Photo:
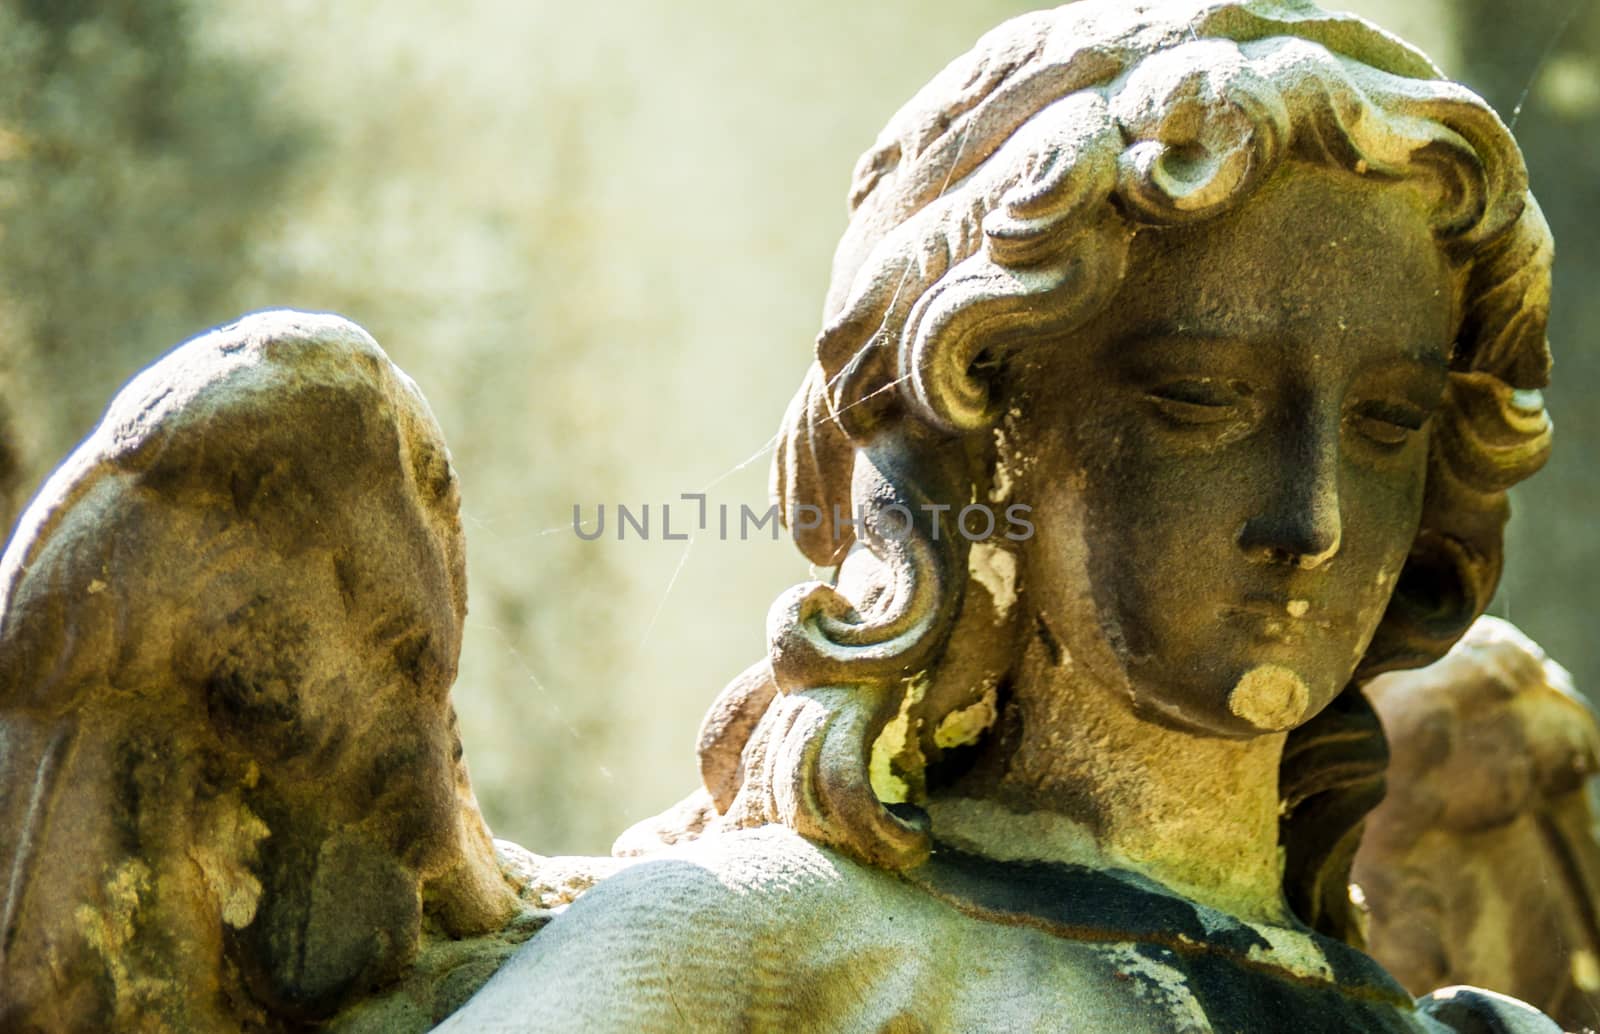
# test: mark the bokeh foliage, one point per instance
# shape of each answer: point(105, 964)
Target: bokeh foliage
point(134, 173)
point(597, 236)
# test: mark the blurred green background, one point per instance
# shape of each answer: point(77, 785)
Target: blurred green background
point(598, 237)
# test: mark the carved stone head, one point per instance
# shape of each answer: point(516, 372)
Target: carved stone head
point(1243, 301)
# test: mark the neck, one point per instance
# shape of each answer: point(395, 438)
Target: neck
point(1071, 774)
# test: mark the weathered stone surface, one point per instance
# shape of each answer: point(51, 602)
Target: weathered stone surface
point(229, 766)
point(1246, 305)
point(1481, 866)
point(1235, 310)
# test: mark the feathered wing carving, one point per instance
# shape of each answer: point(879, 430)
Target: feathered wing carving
point(229, 772)
point(1481, 866)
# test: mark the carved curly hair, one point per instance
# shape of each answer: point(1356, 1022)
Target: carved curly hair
point(994, 214)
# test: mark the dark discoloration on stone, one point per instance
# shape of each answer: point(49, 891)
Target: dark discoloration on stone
point(1226, 964)
point(1052, 645)
point(248, 585)
point(1241, 299)
point(1247, 304)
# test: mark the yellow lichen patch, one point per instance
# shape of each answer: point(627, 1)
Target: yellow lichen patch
point(109, 929)
point(996, 570)
point(896, 752)
point(963, 727)
point(1270, 697)
point(224, 853)
point(1000, 485)
point(1586, 971)
point(1293, 951)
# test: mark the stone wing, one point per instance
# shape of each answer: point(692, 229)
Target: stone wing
point(1481, 866)
point(229, 624)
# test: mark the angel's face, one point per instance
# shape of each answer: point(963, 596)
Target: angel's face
point(1227, 465)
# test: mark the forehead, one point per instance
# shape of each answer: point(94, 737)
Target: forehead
point(1316, 256)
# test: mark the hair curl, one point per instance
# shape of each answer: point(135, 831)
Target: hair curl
point(995, 212)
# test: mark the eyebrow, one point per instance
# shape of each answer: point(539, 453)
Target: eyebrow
point(1163, 335)
point(1435, 359)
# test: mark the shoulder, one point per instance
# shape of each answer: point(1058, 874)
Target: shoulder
point(1471, 1010)
point(685, 939)
point(754, 882)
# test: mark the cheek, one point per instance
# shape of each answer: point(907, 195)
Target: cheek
point(1163, 526)
point(1381, 510)
point(1058, 564)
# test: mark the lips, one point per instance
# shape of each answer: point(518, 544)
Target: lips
point(1280, 615)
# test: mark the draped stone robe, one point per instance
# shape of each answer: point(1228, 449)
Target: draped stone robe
point(762, 930)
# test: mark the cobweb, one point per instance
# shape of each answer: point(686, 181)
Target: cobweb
point(1502, 604)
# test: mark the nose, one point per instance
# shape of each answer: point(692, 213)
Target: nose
point(1297, 522)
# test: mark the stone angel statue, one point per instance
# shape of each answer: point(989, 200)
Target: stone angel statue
point(1242, 300)
point(1481, 865)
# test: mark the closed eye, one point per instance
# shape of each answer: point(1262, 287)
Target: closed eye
point(1387, 422)
point(1198, 400)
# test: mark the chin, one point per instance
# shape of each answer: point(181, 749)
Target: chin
point(1256, 697)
